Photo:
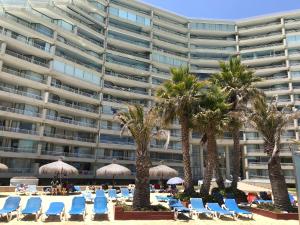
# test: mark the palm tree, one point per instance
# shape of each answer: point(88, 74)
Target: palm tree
point(177, 98)
point(270, 121)
point(140, 125)
point(237, 80)
point(211, 119)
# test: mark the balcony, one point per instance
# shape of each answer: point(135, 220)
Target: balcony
point(68, 154)
point(74, 106)
point(116, 142)
point(26, 58)
point(23, 75)
point(18, 92)
point(76, 91)
point(124, 102)
point(18, 130)
point(18, 150)
point(135, 66)
point(25, 41)
point(127, 77)
point(20, 111)
point(73, 137)
point(73, 122)
point(132, 90)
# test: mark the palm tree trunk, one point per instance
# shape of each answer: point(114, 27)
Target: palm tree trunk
point(236, 158)
point(217, 168)
point(141, 198)
point(278, 184)
point(185, 133)
point(208, 173)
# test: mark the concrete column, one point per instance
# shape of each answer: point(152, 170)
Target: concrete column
point(39, 148)
point(246, 174)
point(227, 159)
point(3, 48)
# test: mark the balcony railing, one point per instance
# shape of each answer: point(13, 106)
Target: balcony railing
point(26, 58)
point(262, 46)
point(75, 138)
point(140, 79)
point(116, 142)
point(135, 66)
point(68, 154)
point(61, 86)
point(72, 105)
point(125, 89)
point(20, 111)
point(23, 74)
point(17, 37)
point(260, 36)
point(262, 57)
point(18, 92)
point(79, 123)
point(258, 26)
point(18, 130)
point(18, 150)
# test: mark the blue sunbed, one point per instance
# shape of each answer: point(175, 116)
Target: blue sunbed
point(12, 204)
point(161, 198)
point(292, 199)
point(125, 193)
point(197, 207)
point(56, 209)
point(177, 207)
point(219, 211)
point(112, 194)
point(33, 207)
point(100, 206)
point(78, 207)
point(231, 205)
point(100, 193)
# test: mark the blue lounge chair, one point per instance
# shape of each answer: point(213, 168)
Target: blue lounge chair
point(31, 190)
point(219, 211)
point(100, 206)
point(231, 205)
point(198, 208)
point(125, 193)
point(292, 199)
point(11, 205)
point(112, 194)
point(100, 193)
point(161, 198)
point(33, 207)
point(56, 209)
point(177, 207)
point(78, 207)
point(76, 189)
point(88, 196)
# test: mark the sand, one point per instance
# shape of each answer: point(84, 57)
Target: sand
point(258, 220)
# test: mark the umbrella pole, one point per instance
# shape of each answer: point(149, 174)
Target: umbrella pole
point(113, 181)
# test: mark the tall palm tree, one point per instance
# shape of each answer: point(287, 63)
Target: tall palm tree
point(211, 119)
point(270, 121)
point(237, 80)
point(177, 98)
point(141, 125)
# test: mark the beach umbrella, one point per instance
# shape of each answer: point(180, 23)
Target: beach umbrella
point(113, 170)
point(3, 167)
point(175, 180)
point(58, 168)
point(162, 171)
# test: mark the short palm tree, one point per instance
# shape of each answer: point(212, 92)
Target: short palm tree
point(270, 121)
point(211, 118)
point(141, 125)
point(237, 80)
point(177, 98)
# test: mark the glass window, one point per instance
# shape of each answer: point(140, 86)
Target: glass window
point(114, 11)
point(132, 17)
point(123, 14)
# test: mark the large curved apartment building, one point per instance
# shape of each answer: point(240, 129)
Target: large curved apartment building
point(66, 66)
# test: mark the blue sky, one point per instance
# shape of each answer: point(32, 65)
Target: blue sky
point(225, 9)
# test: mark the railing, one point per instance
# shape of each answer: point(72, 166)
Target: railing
point(141, 79)
point(14, 36)
point(171, 42)
point(125, 89)
point(276, 89)
point(159, 28)
point(68, 154)
point(76, 138)
point(162, 147)
point(128, 41)
point(98, 43)
point(20, 111)
point(127, 64)
point(28, 59)
point(260, 25)
point(18, 150)
point(136, 54)
point(260, 36)
point(268, 67)
point(169, 52)
point(72, 105)
point(71, 121)
point(18, 130)
point(116, 142)
point(274, 77)
point(128, 158)
point(22, 74)
point(21, 170)
point(77, 61)
point(263, 56)
point(262, 46)
point(130, 30)
point(18, 92)
point(61, 86)
point(123, 101)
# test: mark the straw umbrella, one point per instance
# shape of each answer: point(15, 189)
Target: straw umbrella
point(113, 170)
point(3, 167)
point(162, 171)
point(58, 168)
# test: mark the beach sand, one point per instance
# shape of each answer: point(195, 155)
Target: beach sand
point(258, 220)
